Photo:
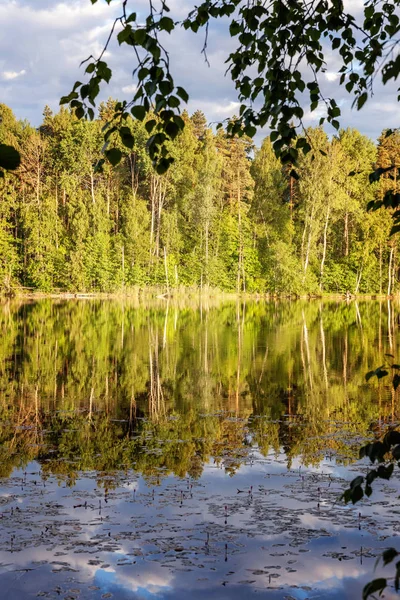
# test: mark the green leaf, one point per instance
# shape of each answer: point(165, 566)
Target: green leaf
point(9, 158)
point(396, 381)
point(376, 451)
point(166, 24)
point(138, 112)
point(369, 375)
point(163, 165)
point(389, 555)
point(397, 577)
point(395, 229)
point(235, 28)
point(150, 125)
point(356, 482)
point(182, 94)
point(110, 131)
point(357, 494)
point(131, 18)
point(371, 476)
point(361, 100)
point(381, 373)
point(126, 137)
point(385, 472)
point(104, 71)
point(165, 87)
point(142, 73)
point(173, 102)
point(392, 438)
point(179, 122)
point(377, 585)
point(114, 156)
point(79, 112)
point(250, 130)
point(140, 36)
point(172, 130)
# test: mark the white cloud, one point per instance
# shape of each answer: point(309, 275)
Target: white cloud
point(315, 115)
point(129, 89)
point(331, 76)
point(218, 110)
point(8, 75)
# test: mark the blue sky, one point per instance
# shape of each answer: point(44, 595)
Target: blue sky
point(43, 42)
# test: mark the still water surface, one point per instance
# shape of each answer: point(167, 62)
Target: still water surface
point(152, 452)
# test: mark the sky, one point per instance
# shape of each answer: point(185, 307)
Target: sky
point(43, 42)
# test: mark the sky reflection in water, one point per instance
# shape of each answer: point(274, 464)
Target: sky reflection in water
point(272, 540)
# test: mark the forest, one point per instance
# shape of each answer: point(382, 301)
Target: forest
point(226, 216)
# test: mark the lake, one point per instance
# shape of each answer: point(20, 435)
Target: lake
point(154, 451)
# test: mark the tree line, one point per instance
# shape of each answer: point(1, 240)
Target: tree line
point(226, 215)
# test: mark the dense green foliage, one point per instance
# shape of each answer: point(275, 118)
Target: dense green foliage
point(225, 215)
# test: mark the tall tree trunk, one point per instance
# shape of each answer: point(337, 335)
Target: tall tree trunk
point(166, 269)
point(38, 182)
point(358, 280)
point(123, 264)
point(322, 331)
point(206, 234)
point(346, 234)
point(56, 215)
point(307, 256)
point(134, 176)
point(389, 314)
point(394, 269)
point(153, 192)
point(291, 197)
point(158, 230)
point(324, 247)
point(305, 249)
point(390, 271)
point(92, 187)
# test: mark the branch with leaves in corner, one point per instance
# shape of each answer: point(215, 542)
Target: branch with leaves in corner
point(384, 452)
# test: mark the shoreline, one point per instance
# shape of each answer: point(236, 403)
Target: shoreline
point(155, 293)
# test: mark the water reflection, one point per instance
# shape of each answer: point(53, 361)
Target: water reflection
point(148, 450)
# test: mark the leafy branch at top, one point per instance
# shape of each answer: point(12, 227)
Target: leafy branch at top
point(155, 90)
point(276, 67)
